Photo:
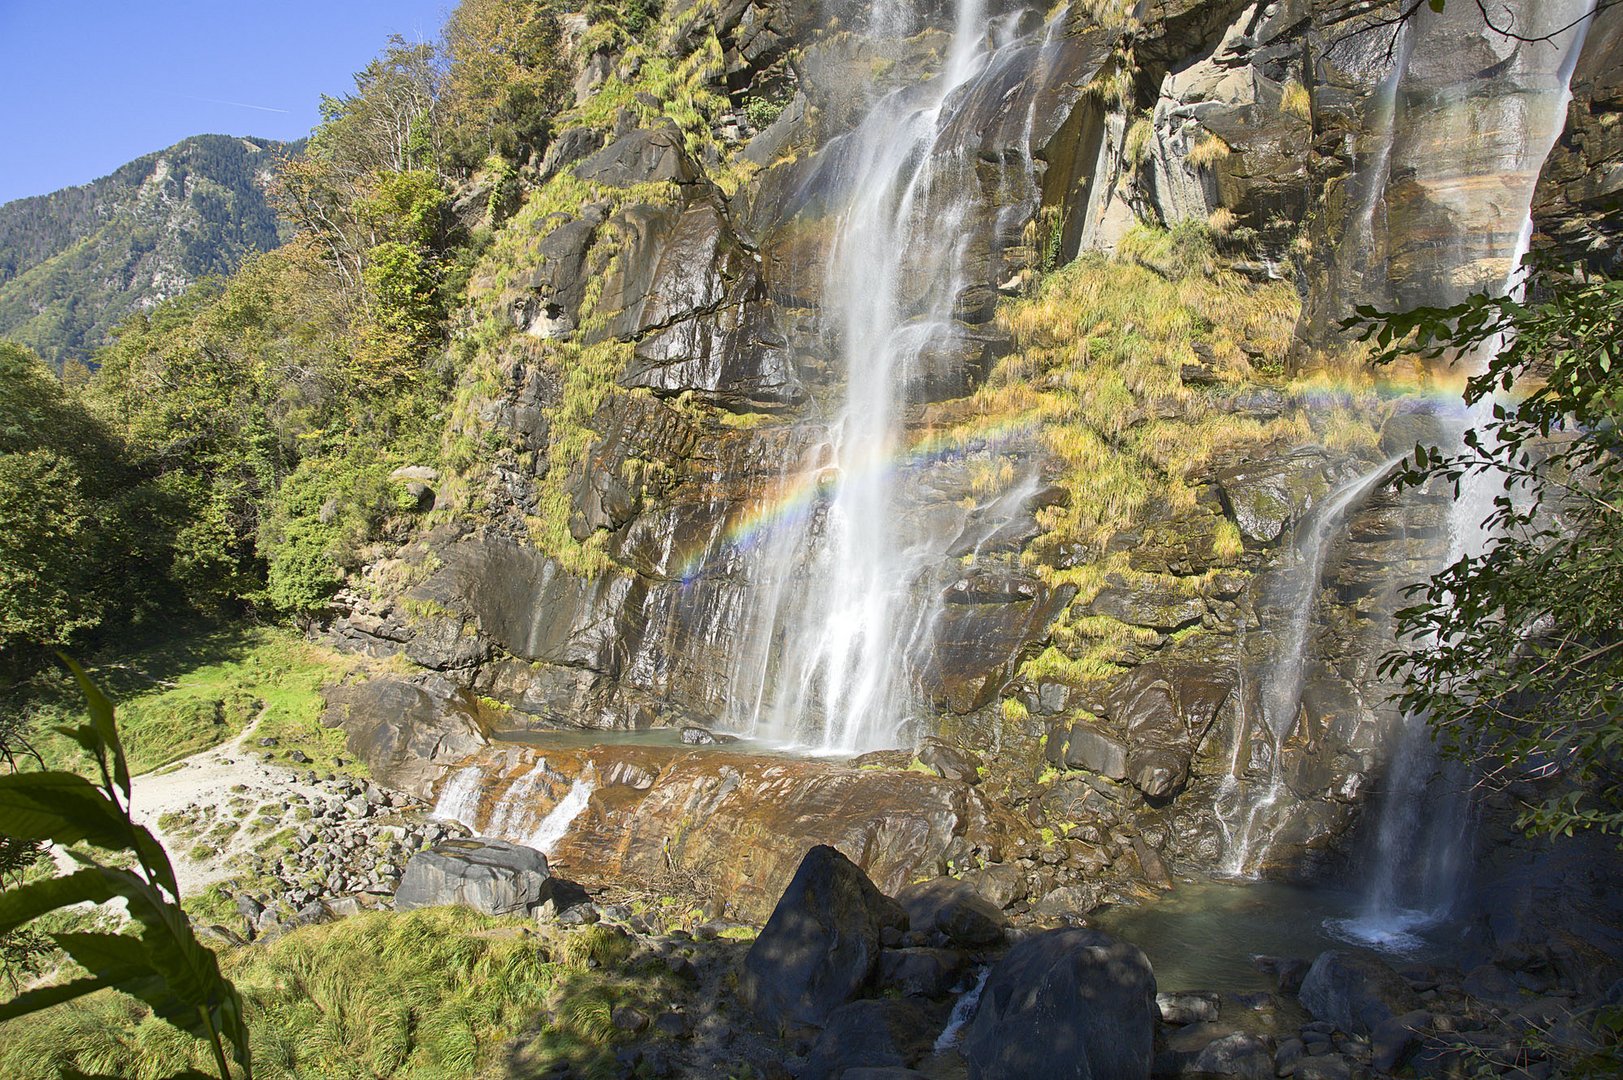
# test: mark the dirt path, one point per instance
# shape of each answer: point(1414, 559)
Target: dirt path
point(227, 784)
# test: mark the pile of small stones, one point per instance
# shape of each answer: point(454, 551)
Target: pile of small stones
point(346, 853)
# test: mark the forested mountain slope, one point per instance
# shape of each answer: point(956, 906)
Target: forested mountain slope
point(77, 262)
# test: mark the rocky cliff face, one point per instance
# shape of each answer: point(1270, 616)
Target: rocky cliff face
point(1107, 515)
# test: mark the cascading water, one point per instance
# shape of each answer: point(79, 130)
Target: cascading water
point(1422, 838)
point(844, 621)
point(1252, 815)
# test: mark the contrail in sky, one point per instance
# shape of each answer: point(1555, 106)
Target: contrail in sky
point(238, 104)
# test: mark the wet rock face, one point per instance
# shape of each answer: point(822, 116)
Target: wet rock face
point(739, 825)
point(821, 945)
point(1067, 1003)
point(1578, 207)
point(1166, 710)
point(406, 732)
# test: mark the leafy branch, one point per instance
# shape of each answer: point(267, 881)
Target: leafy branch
point(163, 964)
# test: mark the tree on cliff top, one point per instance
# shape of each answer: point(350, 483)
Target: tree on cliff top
point(1516, 654)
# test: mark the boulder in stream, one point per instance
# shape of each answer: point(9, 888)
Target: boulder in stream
point(1356, 992)
point(821, 945)
point(955, 909)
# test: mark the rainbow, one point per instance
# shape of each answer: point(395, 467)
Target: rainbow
point(797, 496)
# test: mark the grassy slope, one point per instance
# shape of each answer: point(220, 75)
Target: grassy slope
point(184, 695)
point(437, 993)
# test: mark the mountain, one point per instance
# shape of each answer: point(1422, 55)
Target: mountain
point(76, 262)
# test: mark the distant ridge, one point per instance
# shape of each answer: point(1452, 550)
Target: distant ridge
point(76, 262)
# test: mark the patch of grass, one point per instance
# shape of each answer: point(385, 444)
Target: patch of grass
point(195, 691)
point(439, 993)
point(1296, 101)
point(1209, 152)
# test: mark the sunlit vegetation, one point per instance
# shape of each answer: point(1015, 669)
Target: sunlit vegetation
point(1102, 346)
point(190, 692)
point(442, 992)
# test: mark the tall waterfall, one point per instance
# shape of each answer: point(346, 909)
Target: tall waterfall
point(843, 624)
point(1422, 841)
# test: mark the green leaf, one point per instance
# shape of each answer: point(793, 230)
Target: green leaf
point(32, 1001)
point(101, 717)
point(62, 808)
point(94, 886)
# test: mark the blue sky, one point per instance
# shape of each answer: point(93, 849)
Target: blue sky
point(86, 85)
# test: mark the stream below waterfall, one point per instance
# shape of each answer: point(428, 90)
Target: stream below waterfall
point(1208, 933)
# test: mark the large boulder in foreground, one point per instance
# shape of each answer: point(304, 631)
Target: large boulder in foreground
point(1356, 992)
point(488, 875)
point(1065, 1005)
point(821, 945)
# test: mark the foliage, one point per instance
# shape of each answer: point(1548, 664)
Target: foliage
point(441, 993)
point(80, 535)
point(76, 262)
point(163, 964)
point(505, 81)
point(1514, 653)
point(193, 691)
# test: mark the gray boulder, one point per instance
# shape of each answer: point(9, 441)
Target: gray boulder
point(954, 909)
point(1356, 992)
point(821, 945)
point(492, 876)
point(1245, 1057)
point(871, 1034)
point(1065, 1005)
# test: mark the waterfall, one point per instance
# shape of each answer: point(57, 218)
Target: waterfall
point(843, 624)
point(1250, 819)
point(460, 797)
point(556, 824)
point(1423, 836)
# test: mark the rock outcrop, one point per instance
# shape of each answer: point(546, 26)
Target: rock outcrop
point(492, 876)
point(821, 945)
point(1068, 1003)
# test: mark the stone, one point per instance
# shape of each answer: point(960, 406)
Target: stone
point(923, 972)
point(1242, 1056)
point(1166, 708)
point(643, 156)
point(1264, 496)
point(1356, 992)
point(628, 1019)
point(949, 762)
point(492, 876)
point(1068, 1005)
point(954, 909)
point(821, 945)
point(1392, 1040)
point(692, 735)
point(1068, 901)
point(1000, 883)
point(1188, 1007)
point(871, 1034)
point(1091, 748)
